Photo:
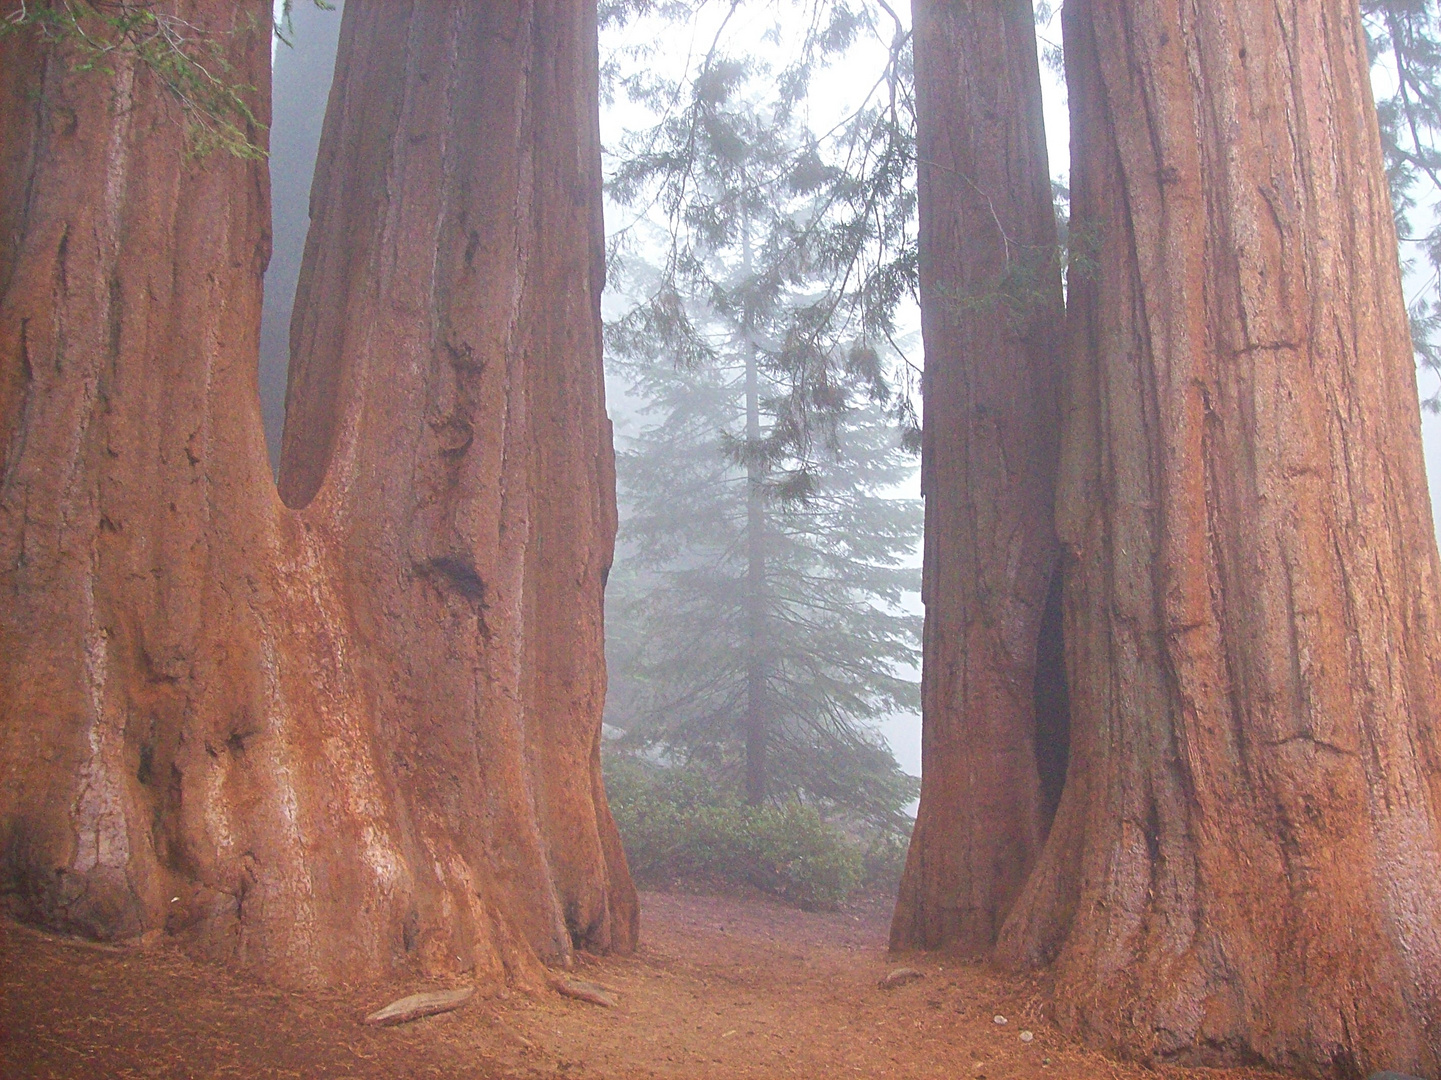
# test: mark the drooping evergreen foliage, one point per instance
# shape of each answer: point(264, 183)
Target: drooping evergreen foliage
point(754, 619)
point(189, 60)
point(839, 194)
point(185, 57)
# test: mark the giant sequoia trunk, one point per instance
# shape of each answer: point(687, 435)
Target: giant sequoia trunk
point(1246, 860)
point(361, 736)
point(991, 317)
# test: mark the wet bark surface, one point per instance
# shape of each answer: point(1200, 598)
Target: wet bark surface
point(992, 322)
point(1246, 861)
point(355, 738)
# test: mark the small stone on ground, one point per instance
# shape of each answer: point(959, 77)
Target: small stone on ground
point(899, 977)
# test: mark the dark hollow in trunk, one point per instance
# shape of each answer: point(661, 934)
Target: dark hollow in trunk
point(1053, 703)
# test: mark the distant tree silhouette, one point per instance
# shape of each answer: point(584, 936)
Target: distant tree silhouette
point(754, 615)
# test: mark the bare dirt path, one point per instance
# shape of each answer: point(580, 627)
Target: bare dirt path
point(720, 988)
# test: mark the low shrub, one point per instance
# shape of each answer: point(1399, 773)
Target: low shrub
point(883, 860)
point(675, 825)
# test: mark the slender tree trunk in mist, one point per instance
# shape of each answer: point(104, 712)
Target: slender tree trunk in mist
point(992, 320)
point(359, 738)
point(756, 734)
point(755, 721)
point(1246, 861)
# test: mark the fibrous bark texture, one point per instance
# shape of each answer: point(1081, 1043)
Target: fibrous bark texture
point(360, 737)
point(992, 323)
point(1246, 861)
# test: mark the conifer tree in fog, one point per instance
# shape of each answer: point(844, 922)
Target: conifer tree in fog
point(754, 612)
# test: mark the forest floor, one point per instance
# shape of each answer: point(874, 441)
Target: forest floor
point(721, 987)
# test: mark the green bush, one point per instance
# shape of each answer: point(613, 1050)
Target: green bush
point(883, 861)
point(676, 825)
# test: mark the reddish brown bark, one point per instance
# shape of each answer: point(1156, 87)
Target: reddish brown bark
point(1246, 861)
point(447, 402)
point(991, 318)
point(356, 738)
